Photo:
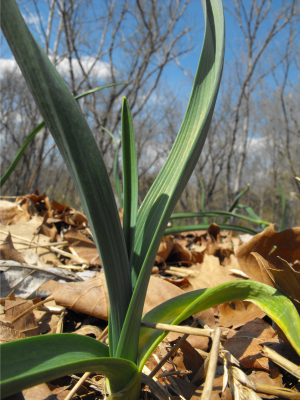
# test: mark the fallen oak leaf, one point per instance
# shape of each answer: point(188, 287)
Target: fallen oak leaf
point(269, 244)
point(281, 275)
point(91, 296)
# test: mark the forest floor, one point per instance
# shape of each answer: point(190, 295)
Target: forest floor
point(47, 252)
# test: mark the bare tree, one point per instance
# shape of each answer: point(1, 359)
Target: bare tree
point(92, 43)
point(259, 23)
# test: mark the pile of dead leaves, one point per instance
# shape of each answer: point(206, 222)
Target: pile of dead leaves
point(47, 251)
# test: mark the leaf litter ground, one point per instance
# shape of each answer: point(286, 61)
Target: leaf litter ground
point(47, 252)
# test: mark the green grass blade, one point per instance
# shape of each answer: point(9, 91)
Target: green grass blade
point(20, 152)
point(81, 155)
point(130, 179)
point(202, 200)
point(236, 201)
point(36, 130)
point(200, 227)
point(249, 210)
point(116, 168)
point(218, 214)
point(29, 362)
point(283, 219)
point(252, 214)
point(237, 198)
point(161, 199)
point(277, 306)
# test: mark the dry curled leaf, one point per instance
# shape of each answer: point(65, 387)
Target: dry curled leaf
point(281, 275)
point(270, 245)
point(14, 212)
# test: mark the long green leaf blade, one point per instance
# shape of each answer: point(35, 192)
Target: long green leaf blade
point(130, 179)
point(218, 214)
point(81, 155)
point(229, 227)
point(160, 201)
point(36, 130)
point(29, 362)
point(277, 306)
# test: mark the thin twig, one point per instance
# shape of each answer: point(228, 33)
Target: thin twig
point(52, 248)
point(282, 361)
point(60, 324)
point(77, 386)
point(37, 245)
point(102, 335)
point(50, 298)
point(179, 329)
point(211, 372)
point(173, 373)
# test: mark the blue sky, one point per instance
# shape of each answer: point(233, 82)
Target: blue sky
point(173, 75)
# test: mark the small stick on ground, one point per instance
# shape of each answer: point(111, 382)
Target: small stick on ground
point(179, 329)
point(214, 354)
point(32, 308)
point(281, 361)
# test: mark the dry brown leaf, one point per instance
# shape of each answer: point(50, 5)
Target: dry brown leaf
point(180, 253)
point(281, 275)
point(214, 232)
point(245, 345)
point(50, 231)
point(197, 342)
point(186, 388)
point(47, 321)
point(263, 378)
point(27, 233)
point(158, 292)
point(27, 324)
point(220, 250)
point(13, 213)
point(91, 297)
point(216, 393)
point(269, 244)
point(39, 392)
point(8, 251)
point(238, 313)
point(188, 360)
point(8, 334)
point(83, 246)
point(211, 274)
point(165, 247)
